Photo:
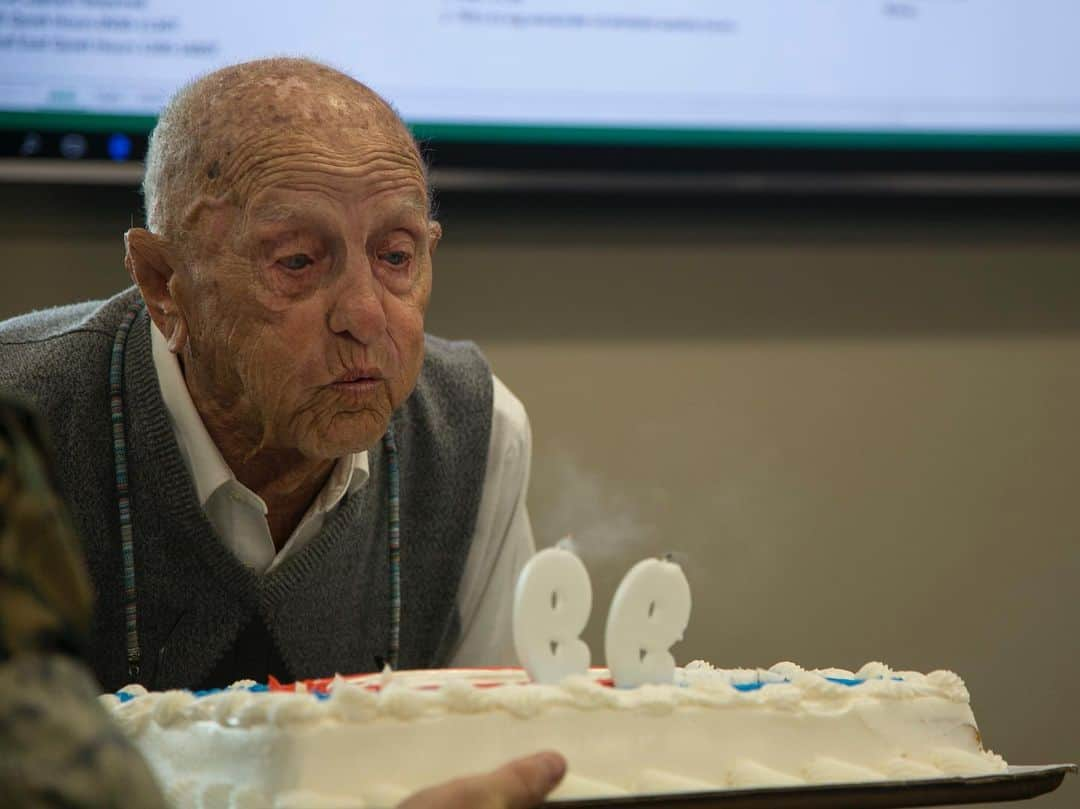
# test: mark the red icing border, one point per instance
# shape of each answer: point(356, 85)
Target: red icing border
point(321, 685)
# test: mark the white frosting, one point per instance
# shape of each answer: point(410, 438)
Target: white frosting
point(953, 761)
point(903, 769)
point(828, 770)
point(949, 683)
point(384, 794)
point(377, 738)
point(171, 707)
point(872, 671)
point(660, 781)
point(578, 787)
point(310, 799)
point(746, 773)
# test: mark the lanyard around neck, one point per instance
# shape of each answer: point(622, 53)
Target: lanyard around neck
point(123, 498)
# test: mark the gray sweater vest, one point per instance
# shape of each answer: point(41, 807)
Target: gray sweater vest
point(327, 608)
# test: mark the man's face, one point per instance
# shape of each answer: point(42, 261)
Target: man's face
point(306, 301)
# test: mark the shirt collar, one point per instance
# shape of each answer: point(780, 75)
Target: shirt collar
point(204, 461)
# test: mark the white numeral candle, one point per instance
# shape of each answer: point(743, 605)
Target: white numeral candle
point(551, 605)
point(648, 614)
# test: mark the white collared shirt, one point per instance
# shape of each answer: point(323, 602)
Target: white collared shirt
point(502, 542)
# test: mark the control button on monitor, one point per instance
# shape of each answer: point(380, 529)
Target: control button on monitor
point(32, 144)
point(119, 146)
point(73, 146)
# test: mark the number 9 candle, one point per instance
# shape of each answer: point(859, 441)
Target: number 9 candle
point(552, 602)
point(648, 614)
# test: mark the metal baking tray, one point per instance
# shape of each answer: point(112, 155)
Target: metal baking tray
point(1016, 784)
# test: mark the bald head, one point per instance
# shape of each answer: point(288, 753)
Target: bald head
point(217, 130)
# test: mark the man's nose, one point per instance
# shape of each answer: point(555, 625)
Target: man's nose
point(356, 308)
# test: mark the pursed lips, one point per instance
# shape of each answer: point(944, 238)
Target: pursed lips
point(358, 383)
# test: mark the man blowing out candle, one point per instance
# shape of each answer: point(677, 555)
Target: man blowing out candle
point(273, 469)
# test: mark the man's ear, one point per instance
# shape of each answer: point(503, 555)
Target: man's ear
point(434, 235)
point(151, 265)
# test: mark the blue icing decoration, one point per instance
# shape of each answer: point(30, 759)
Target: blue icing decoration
point(756, 685)
point(747, 686)
point(257, 688)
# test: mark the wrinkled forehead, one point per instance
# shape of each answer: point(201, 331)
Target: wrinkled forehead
point(286, 134)
point(352, 166)
point(329, 205)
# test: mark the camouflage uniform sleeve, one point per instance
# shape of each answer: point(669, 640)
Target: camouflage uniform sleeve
point(58, 747)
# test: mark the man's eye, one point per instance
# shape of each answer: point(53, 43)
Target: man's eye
point(396, 258)
point(296, 262)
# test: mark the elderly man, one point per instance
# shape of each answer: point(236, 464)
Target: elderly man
point(274, 470)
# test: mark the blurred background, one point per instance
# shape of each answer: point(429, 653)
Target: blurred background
point(791, 290)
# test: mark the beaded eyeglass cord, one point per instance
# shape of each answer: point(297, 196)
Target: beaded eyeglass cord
point(131, 611)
